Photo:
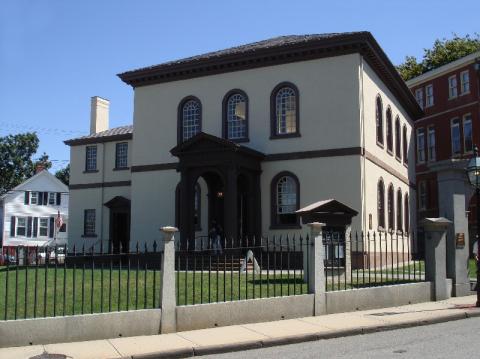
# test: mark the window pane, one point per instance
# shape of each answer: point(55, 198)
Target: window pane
point(236, 117)
point(33, 197)
point(379, 119)
point(89, 225)
point(91, 158)
point(21, 224)
point(286, 111)
point(467, 133)
point(456, 145)
point(431, 144)
point(190, 119)
point(420, 145)
point(121, 155)
point(43, 227)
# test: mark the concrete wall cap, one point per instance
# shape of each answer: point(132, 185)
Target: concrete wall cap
point(169, 229)
point(316, 225)
point(440, 223)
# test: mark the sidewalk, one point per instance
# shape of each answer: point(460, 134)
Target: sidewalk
point(249, 336)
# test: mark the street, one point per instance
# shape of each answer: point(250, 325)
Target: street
point(456, 339)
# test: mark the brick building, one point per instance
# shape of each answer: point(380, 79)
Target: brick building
point(449, 96)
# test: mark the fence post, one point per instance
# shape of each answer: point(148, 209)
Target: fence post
point(167, 285)
point(436, 255)
point(316, 270)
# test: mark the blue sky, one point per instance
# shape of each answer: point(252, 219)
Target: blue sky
point(56, 54)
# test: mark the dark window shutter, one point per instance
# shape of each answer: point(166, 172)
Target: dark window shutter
point(12, 226)
point(51, 227)
point(45, 198)
point(29, 226)
point(40, 198)
point(59, 198)
point(27, 197)
point(35, 227)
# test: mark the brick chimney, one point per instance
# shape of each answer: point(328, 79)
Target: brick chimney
point(39, 167)
point(99, 114)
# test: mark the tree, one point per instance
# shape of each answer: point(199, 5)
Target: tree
point(442, 52)
point(16, 164)
point(64, 174)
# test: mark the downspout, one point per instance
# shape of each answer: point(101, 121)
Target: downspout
point(362, 158)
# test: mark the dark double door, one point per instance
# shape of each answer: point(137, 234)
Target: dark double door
point(120, 231)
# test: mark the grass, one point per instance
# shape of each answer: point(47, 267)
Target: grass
point(44, 293)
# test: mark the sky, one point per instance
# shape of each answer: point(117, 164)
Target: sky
point(56, 54)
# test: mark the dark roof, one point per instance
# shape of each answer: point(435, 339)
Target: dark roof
point(212, 143)
point(113, 134)
point(280, 50)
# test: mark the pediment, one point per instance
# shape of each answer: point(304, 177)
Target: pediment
point(206, 143)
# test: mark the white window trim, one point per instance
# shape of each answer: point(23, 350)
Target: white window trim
point(54, 196)
point(451, 136)
point(462, 83)
point(17, 226)
point(417, 148)
point(450, 87)
point(31, 197)
point(420, 91)
point(38, 227)
point(426, 96)
point(464, 118)
point(434, 158)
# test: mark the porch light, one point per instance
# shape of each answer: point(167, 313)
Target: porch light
point(220, 194)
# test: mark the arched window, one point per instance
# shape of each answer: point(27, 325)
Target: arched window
point(189, 118)
point(391, 208)
point(379, 119)
point(389, 130)
point(285, 200)
point(398, 135)
point(235, 116)
point(399, 210)
point(284, 111)
point(406, 208)
point(405, 145)
point(381, 204)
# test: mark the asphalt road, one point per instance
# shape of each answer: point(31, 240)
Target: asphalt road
point(457, 339)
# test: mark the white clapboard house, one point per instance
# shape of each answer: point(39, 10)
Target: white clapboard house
point(29, 214)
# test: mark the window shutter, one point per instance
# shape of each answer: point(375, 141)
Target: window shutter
point(27, 197)
point(40, 198)
point(35, 227)
point(59, 198)
point(29, 227)
point(51, 227)
point(12, 226)
point(45, 198)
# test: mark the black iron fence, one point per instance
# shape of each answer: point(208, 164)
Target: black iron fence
point(372, 259)
point(252, 268)
point(49, 281)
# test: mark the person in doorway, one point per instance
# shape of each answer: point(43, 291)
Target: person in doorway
point(215, 235)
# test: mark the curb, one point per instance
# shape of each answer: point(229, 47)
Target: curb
point(302, 338)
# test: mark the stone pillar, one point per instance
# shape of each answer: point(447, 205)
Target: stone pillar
point(316, 269)
point(452, 204)
point(348, 253)
point(435, 255)
point(167, 286)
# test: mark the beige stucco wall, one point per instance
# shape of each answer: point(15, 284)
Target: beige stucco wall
point(105, 164)
point(328, 91)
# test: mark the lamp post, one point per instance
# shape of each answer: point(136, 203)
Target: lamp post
point(473, 174)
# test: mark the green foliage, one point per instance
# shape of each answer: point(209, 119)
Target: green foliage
point(64, 174)
point(442, 52)
point(16, 164)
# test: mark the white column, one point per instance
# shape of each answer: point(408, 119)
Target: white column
point(316, 270)
point(167, 286)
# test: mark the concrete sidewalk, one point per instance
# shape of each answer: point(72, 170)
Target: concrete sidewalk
point(249, 336)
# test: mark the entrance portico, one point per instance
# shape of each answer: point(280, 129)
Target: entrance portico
point(232, 174)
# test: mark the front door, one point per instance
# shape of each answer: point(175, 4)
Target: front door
point(120, 231)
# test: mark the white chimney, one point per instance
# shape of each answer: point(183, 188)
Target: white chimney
point(99, 115)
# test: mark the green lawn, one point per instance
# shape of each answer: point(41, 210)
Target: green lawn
point(122, 290)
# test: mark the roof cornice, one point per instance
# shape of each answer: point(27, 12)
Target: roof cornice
point(93, 140)
point(342, 44)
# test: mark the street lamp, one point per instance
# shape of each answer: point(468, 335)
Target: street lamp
point(473, 174)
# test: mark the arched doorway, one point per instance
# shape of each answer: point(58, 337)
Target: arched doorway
point(232, 175)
